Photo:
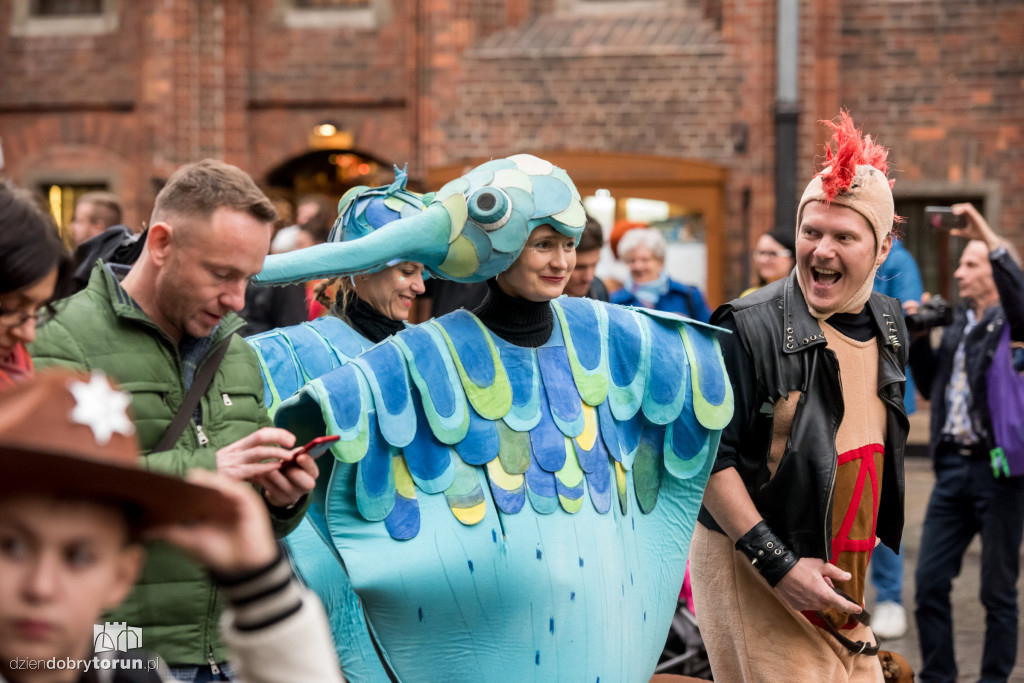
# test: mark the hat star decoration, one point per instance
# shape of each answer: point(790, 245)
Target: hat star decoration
point(101, 408)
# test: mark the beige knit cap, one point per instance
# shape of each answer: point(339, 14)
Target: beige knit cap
point(856, 178)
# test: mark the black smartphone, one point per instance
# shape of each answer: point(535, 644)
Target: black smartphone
point(314, 448)
point(942, 218)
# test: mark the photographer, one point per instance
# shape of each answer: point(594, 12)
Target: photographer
point(967, 499)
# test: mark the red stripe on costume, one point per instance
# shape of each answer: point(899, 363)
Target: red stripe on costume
point(842, 541)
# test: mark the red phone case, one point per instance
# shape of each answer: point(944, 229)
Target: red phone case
point(315, 448)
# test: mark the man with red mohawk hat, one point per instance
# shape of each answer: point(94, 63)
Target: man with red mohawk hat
point(810, 469)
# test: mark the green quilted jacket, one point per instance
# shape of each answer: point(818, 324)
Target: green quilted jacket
point(101, 328)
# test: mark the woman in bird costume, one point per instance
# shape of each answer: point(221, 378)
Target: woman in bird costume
point(514, 490)
point(369, 307)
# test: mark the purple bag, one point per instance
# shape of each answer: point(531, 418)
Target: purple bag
point(1006, 407)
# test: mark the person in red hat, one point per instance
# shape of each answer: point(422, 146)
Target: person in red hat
point(74, 507)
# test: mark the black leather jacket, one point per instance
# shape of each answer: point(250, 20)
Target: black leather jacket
point(785, 350)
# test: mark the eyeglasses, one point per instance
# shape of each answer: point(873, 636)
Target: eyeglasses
point(17, 318)
point(781, 253)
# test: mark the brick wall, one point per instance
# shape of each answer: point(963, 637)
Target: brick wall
point(69, 70)
point(942, 83)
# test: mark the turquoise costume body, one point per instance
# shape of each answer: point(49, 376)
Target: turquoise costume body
point(503, 513)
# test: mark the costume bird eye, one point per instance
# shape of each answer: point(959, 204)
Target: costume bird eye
point(490, 208)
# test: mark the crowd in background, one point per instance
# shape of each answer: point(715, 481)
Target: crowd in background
point(167, 272)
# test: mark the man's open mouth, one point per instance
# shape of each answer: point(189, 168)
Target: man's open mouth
point(825, 276)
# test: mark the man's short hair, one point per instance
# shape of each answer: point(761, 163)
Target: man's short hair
point(103, 207)
point(198, 189)
point(592, 237)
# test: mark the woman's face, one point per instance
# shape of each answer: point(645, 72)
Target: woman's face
point(772, 260)
point(18, 310)
point(543, 267)
point(391, 291)
point(644, 266)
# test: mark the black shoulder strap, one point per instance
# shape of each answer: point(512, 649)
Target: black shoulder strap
point(188, 406)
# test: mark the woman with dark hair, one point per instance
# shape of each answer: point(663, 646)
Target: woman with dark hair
point(33, 264)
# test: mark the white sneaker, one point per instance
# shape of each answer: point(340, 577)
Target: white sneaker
point(889, 620)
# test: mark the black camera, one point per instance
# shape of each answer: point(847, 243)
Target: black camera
point(935, 313)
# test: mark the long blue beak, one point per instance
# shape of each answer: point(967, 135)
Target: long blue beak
point(422, 238)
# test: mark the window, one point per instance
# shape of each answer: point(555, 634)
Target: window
point(618, 6)
point(331, 4)
point(64, 8)
point(329, 14)
point(63, 17)
point(62, 197)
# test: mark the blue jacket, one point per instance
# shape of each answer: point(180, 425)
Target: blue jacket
point(899, 278)
point(683, 299)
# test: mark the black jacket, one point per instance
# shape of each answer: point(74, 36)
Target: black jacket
point(783, 349)
point(117, 244)
point(932, 368)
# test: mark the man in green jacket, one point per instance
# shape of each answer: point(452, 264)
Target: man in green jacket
point(152, 332)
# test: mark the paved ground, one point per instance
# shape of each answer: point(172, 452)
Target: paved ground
point(968, 614)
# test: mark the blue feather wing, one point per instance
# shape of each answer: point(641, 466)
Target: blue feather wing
point(570, 447)
point(344, 342)
point(281, 371)
point(385, 371)
point(628, 361)
point(666, 388)
point(584, 327)
point(524, 378)
point(428, 460)
point(566, 406)
point(434, 374)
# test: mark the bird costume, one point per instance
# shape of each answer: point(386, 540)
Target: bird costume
point(503, 513)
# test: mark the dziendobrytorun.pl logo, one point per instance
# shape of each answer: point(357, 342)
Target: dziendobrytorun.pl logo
point(108, 640)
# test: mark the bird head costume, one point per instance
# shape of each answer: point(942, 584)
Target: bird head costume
point(473, 229)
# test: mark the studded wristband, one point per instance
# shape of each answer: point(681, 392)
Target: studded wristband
point(767, 553)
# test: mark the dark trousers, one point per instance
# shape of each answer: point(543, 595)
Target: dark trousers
point(968, 500)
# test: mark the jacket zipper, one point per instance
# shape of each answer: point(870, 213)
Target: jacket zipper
point(203, 439)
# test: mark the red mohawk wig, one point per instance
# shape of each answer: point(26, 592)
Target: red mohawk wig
point(852, 150)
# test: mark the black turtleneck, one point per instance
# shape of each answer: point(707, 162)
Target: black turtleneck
point(517, 321)
point(858, 326)
point(369, 322)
